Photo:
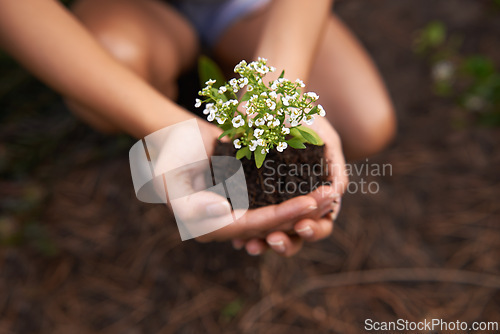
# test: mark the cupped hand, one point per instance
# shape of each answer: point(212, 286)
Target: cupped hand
point(319, 223)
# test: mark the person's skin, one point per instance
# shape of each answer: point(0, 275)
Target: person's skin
point(126, 81)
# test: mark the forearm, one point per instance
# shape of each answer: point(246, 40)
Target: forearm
point(292, 34)
point(44, 37)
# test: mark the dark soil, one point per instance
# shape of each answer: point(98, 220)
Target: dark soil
point(283, 175)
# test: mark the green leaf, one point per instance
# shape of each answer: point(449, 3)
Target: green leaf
point(242, 152)
point(310, 135)
point(313, 111)
point(282, 74)
point(208, 69)
point(478, 67)
point(296, 143)
point(294, 132)
point(225, 133)
point(246, 97)
point(226, 126)
point(259, 157)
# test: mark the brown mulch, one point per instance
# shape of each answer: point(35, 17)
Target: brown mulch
point(87, 257)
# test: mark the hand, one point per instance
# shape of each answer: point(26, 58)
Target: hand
point(319, 224)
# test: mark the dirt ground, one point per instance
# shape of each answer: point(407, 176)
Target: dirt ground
point(80, 254)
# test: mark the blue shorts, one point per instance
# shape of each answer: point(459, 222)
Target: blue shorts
point(210, 18)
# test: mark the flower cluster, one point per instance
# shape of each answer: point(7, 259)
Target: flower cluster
point(265, 116)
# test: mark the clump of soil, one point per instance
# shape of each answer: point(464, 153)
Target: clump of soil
point(283, 175)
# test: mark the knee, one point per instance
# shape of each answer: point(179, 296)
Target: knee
point(375, 133)
point(125, 49)
point(117, 35)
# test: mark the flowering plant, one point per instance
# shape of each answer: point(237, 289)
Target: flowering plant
point(265, 117)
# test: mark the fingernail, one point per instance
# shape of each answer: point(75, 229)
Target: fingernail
point(334, 197)
point(305, 232)
point(218, 209)
point(238, 244)
point(335, 209)
point(278, 246)
point(253, 250)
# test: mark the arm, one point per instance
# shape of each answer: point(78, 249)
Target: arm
point(45, 38)
point(292, 34)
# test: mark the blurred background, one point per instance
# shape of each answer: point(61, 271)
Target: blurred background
point(80, 254)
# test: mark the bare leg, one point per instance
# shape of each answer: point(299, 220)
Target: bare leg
point(344, 76)
point(148, 37)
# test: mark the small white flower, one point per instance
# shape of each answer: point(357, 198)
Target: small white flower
point(210, 82)
point(263, 94)
point(269, 117)
point(238, 121)
point(261, 142)
point(220, 120)
point(273, 94)
point(253, 145)
point(198, 103)
point(275, 123)
point(443, 71)
point(250, 122)
point(300, 82)
point(211, 116)
point(286, 100)
point(272, 69)
point(285, 130)
point(313, 96)
point(309, 119)
point(237, 144)
point(322, 111)
point(258, 132)
point(209, 108)
point(264, 151)
point(240, 65)
point(243, 82)
point(222, 89)
point(249, 88)
point(234, 85)
point(233, 102)
point(259, 122)
point(281, 146)
point(294, 122)
point(295, 113)
point(270, 104)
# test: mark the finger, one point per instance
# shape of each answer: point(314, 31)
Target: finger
point(255, 247)
point(283, 244)
point(336, 164)
point(314, 230)
point(238, 243)
point(257, 222)
point(200, 206)
point(325, 196)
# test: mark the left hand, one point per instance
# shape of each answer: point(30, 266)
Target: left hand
point(320, 225)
